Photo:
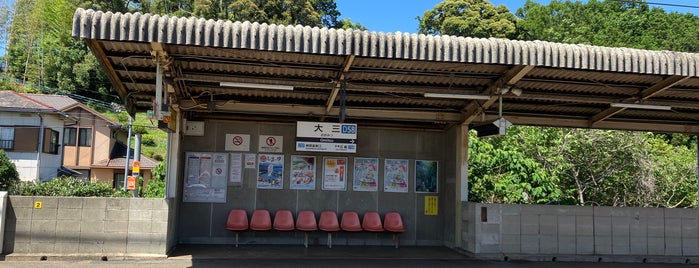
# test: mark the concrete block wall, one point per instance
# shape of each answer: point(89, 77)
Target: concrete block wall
point(583, 231)
point(86, 226)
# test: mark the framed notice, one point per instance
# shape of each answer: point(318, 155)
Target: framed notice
point(206, 177)
point(366, 174)
point(303, 172)
point(335, 173)
point(395, 178)
point(426, 176)
point(270, 169)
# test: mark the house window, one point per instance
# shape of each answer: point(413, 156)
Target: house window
point(7, 138)
point(85, 137)
point(118, 181)
point(50, 141)
point(69, 137)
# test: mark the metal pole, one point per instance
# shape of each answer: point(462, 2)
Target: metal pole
point(128, 152)
point(137, 157)
point(697, 170)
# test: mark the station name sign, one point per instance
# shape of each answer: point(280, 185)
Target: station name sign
point(326, 137)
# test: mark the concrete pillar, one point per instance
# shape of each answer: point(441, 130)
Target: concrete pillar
point(3, 218)
point(462, 180)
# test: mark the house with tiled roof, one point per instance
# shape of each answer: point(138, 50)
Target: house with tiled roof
point(30, 135)
point(91, 145)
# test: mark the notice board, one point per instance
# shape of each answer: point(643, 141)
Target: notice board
point(206, 177)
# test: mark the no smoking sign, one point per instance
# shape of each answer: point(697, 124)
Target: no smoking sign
point(238, 142)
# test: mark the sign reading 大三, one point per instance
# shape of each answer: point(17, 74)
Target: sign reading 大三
point(326, 137)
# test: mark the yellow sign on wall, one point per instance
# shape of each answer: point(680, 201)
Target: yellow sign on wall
point(38, 204)
point(431, 205)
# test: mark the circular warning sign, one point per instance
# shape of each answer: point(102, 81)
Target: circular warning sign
point(271, 141)
point(263, 158)
point(237, 140)
point(219, 171)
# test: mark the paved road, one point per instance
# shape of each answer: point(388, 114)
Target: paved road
point(308, 263)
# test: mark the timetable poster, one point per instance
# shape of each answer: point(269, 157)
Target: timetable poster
point(303, 172)
point(335, 173)
point(270, 170)
point(395, 178)
point(206, 179)
point(366, 174)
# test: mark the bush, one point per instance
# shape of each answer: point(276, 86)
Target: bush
point(156, 185)
point(67, 186)
point(155, 188)
point(8, 172)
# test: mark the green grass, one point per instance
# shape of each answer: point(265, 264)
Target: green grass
point(153, 140)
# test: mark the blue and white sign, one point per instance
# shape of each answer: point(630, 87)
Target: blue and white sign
point(326, 137)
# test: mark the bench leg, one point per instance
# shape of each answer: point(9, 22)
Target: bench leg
point(236, 239)
point(330, 240)
point(305, 239)
point(395, 239)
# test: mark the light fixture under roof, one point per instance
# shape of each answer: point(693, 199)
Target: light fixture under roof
point(256, 86)
point(641, 106)
point(456, 96)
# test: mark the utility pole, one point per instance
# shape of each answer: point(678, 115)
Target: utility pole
point(128, 152)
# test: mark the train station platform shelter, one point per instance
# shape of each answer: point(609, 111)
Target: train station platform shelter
point(290, 117)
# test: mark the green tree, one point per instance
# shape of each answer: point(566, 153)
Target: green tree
point(499, 173)
point(474, 18)
point(609, 23)
point(8, 172)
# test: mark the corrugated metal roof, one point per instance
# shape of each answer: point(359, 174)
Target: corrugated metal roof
point(139, 27)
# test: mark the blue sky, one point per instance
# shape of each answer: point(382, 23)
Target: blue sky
point(399, 15)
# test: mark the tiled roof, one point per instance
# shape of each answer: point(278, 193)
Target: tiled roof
point(146, 163)
point(10, 100)
point(57, 102)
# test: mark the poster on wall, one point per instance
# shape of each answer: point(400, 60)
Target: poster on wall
point(250, 160)
point(395, 177)
point(270, 170)
point(366, 174)
point(335, 173)
point(236, 176)
point(303, 172)
point(206, 177)
point(426, 176)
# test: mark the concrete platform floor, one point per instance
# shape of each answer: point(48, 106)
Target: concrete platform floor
point(276, 256)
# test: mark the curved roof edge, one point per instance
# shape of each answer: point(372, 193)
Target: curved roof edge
point(138, 27)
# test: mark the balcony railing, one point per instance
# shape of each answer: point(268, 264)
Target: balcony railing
point(7, 144)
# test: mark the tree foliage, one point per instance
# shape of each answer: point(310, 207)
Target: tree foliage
point(475, 18)
point(587, 167)
point(8, 172)
point(609, 23)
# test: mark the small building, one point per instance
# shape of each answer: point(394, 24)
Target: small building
point(88, 144)
point(30, 135)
